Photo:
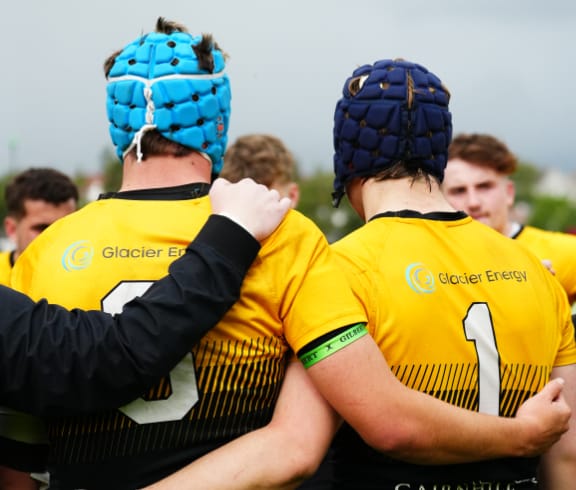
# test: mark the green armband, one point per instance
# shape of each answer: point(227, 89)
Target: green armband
point(333, 345)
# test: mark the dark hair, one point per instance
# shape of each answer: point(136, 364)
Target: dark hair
point(154, 144)
point(410, 169)
point(39, 184)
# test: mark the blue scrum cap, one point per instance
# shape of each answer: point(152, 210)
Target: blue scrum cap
point(390, 111)
point(174, 83)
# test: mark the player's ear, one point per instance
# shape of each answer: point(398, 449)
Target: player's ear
point(293, 193)
point(510, 191)
point(10, 226)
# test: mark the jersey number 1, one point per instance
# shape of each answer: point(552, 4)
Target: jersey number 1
point(479, 329)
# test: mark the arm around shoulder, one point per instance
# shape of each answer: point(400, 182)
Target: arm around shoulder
point(58, 361)
point(278, 456)
point(419, 428)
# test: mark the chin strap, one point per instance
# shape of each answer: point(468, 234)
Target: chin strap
point(137, 141)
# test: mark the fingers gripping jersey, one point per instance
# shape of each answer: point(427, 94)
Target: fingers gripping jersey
point(479, 324)
point(114, 249)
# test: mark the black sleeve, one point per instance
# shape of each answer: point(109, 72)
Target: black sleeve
point(55, 361)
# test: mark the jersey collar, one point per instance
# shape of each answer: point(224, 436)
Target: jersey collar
point(176, 193)
point(409, 213)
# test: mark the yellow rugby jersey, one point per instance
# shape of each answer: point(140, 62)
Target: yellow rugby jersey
point(558, 248)
point(112, 249)
point(461, 313)
point(5, 267)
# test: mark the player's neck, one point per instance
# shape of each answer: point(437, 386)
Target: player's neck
point(399, 194)
point(164, 171)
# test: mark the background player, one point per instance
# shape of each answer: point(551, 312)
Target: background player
point(35, 199)
point(265, 159)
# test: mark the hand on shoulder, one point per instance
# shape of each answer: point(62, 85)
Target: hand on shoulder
point(253, 206)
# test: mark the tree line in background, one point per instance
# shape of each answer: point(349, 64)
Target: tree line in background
point(544, 211)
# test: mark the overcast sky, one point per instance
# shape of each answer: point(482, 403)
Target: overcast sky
point(509, 64)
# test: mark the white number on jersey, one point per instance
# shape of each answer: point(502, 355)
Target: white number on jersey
point(182, 378)
point(479, 329)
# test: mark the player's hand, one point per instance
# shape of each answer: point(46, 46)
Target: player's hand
point(251, 205)
point(546, 417)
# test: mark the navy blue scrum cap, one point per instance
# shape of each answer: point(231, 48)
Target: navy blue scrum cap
point(391, 111)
